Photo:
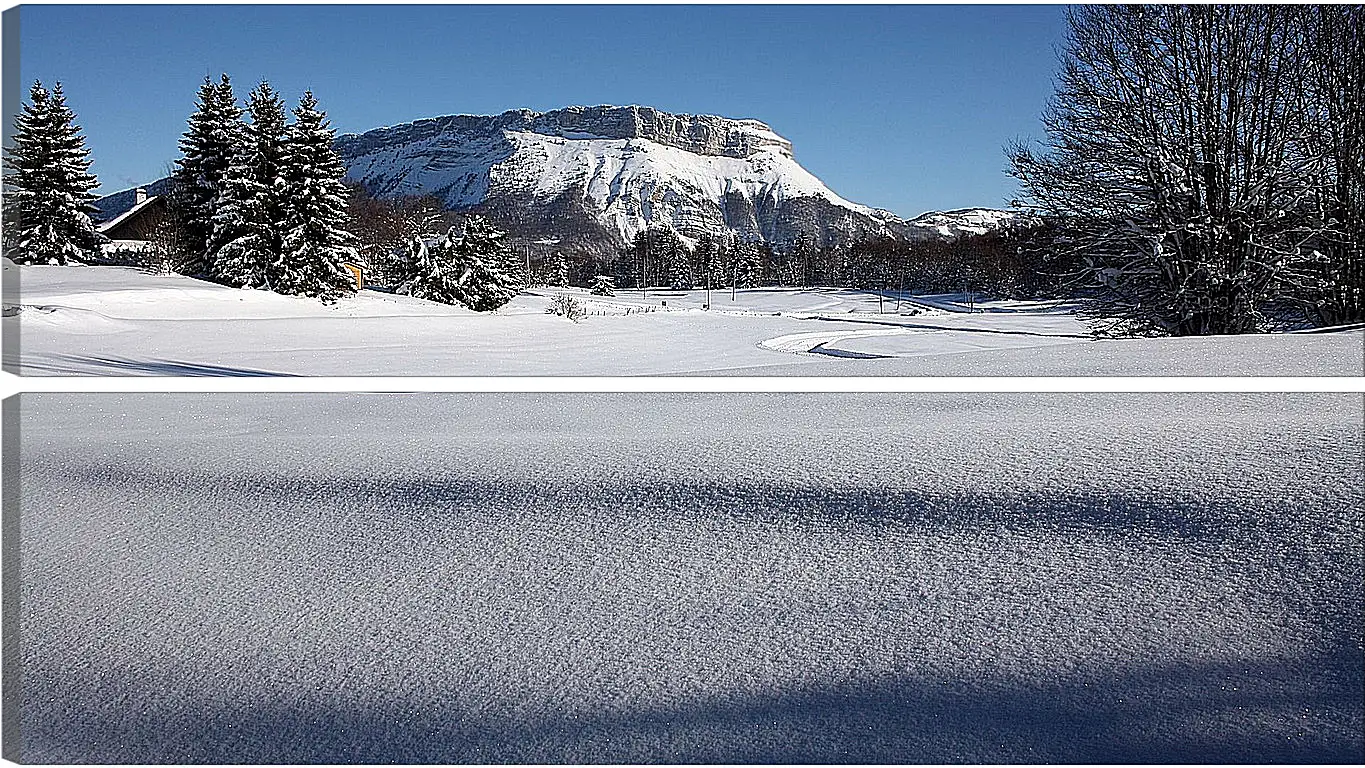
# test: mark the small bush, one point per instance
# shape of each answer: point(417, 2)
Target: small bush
point(566, 306)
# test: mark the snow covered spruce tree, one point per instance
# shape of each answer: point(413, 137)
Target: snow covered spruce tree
point(675, 259)
point(603, 285)
point(706, 260)
point(207, 150)
point(1169, 159)
point(746, 265)
point(495, 277)
point(316, 242)
point(47, 209)
point(661, 257)
point(429, 269)
point(248, 225)
point(556, 270)
point(463, 267)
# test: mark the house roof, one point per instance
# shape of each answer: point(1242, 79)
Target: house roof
point(115, 205)
point(131, 212)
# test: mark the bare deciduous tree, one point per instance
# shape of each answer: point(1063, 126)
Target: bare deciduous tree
point(1328, 279)
point(1178, 159)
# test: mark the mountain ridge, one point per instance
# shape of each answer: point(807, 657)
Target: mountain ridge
point(591, 177)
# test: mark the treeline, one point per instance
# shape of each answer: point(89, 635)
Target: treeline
point(1014, 261)
point(1207, 164)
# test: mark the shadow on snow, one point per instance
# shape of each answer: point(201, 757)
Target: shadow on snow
point(94, 365)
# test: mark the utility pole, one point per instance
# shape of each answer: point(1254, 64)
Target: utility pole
point(709, 265)
point(734, 277)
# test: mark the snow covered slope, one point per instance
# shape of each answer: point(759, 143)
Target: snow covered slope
point(965, 221)
point(605, 173)
point(122, 321)
point(775, 578)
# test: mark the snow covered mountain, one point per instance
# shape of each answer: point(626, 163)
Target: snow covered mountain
point(590, 178)
point(965, 221)
point(601, 174)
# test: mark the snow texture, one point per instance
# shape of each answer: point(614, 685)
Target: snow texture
point(690, 578)
point(120, 321)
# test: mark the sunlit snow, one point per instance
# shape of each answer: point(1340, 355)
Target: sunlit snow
point(777, 578)
point(119, 320)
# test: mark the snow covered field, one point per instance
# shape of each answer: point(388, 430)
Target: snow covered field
point(690, 578)
point(121, 321)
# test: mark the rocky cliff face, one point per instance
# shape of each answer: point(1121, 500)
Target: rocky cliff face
point(700, 134)
point(595, 176)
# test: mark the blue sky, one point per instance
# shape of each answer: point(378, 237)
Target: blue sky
point(900, 107)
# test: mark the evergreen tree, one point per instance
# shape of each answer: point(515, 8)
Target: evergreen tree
point(676, 260)
point(636, 263)
point(207, 148)
point(662, 258)
point(709, 260)
point(48, 211)
point(494, 271)
point(315, 242)
point(603, 285)
point(747, 265)
point(803, 260)
point(557, 270)
point(430, 270)
point(248, 226)
point(462, 267)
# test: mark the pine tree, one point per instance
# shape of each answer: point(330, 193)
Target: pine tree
point(635, 262)
point(662, 258)
point(463, 267)
point(557, 270)
point(248, 226)
point(50, 202)
point(747, 265)
point(207, 148)
point(430, 270)
point(603, 285)
point(315, 242)
point(676, 260)
point(493, 280)
point(708, 260)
